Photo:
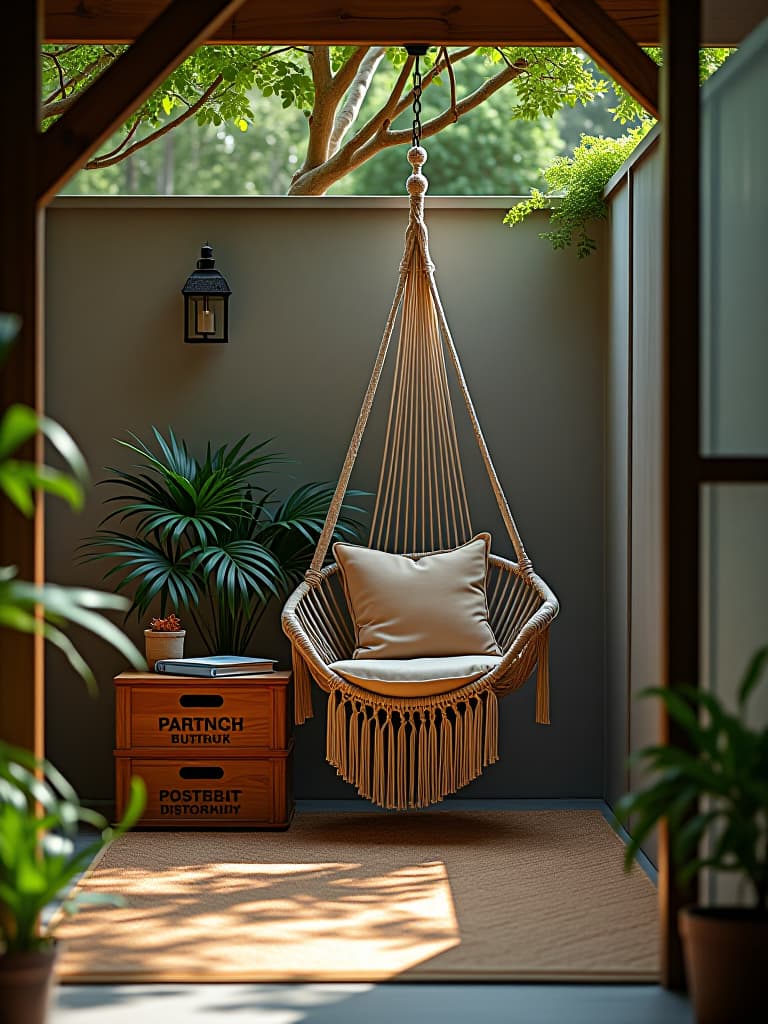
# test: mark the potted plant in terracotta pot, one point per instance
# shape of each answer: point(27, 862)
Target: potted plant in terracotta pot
point(714, 797)
point(40, 815)
point(164, 639)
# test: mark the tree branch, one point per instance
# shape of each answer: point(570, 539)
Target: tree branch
point(346, 73)
point(398, 102)
point(320, 66)
point(61, 91)
point(108, 159)
point(358, 90)
point(317, 181)
point(384, 116)
point(480, 95)
point(58, 107)
point(321, 121)
point(113, 152)
point(430, 76)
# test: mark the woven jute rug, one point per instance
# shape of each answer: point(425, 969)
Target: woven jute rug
point(476, 896)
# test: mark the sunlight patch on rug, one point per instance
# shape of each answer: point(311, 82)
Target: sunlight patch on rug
point(394, 920)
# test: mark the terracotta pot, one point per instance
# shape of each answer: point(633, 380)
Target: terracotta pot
point(725, 950)
point(25, 986)
point(159, 645)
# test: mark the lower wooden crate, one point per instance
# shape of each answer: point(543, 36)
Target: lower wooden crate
point(251, 790)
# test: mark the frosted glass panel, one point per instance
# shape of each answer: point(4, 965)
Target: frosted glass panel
point(735, 606)
point(734, 233)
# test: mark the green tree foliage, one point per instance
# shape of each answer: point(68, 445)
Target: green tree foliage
point(577, 183)
point(209, 159)
point(350, 104)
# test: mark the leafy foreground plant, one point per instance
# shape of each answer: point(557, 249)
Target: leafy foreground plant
point(205, 537)
point(727, 764)
point(39, 857)
point(39, 811)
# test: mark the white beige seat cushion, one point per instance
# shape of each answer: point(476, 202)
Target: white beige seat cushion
point(414, 677)
point(431, 607)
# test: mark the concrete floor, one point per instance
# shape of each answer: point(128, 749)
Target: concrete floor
point(369, 1004)
point(378, 1004)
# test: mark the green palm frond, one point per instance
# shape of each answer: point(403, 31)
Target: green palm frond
point(147, 569)
point(204, 533)
point(294, 527)
point(238, 570)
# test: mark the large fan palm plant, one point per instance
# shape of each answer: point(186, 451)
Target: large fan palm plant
point(204, 536)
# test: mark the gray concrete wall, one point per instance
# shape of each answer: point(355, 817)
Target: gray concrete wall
point(634, 623)
point(312, 282)
point(618, 381)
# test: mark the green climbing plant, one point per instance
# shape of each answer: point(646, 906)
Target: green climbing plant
point(576, 185)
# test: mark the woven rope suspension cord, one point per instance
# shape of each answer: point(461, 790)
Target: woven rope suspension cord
point(411, 751)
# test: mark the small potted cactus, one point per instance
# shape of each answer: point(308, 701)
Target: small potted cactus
point(164, 639)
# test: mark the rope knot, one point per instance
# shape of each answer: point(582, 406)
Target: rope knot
point(313, 577)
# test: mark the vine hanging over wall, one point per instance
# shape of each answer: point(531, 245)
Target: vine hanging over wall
point(576, 185)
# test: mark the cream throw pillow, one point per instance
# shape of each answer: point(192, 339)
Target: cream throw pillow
point(430, 607)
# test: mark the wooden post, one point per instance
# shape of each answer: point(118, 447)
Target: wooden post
point(21, 378)
point(681, 353)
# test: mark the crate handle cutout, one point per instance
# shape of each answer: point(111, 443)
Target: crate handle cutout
point(201, 773)
point(201, 700)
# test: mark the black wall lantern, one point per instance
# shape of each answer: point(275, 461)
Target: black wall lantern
point(206, 302)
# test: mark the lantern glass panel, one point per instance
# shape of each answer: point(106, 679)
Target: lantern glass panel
point(206, 318)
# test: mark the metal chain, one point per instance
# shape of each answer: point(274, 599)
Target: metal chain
point(416, 136)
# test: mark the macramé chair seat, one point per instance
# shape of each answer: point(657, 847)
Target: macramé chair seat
point(410, 751)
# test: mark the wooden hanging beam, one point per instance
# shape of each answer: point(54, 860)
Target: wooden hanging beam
point(681, 346)
point(510, 22)
point(609, 45)
point(21, 379)
point(100, 110)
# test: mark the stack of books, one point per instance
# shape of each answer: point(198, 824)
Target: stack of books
point(215, 665)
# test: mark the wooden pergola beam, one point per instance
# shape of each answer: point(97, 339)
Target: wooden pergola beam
point(512, 22)
point(609, 45)
point(100, 110)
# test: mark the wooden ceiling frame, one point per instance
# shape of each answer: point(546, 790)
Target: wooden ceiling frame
point(26, 186)
point(100, 110)
point(388, 22)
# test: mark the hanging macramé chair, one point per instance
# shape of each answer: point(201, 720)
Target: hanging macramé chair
point(411, 744)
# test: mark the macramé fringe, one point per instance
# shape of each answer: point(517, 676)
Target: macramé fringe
point(302, 689)
point(411, 757)
point(542, 681)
